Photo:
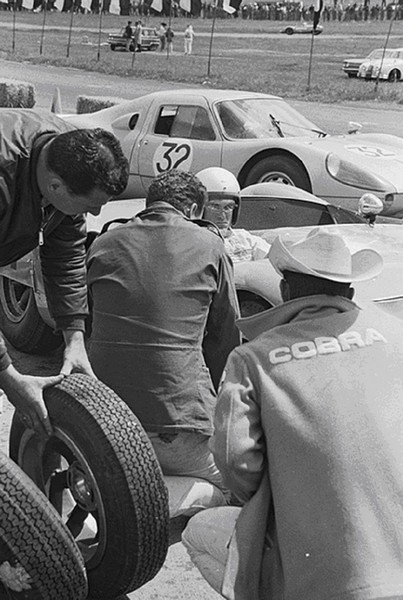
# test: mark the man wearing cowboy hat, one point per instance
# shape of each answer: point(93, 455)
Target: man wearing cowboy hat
point(309, 437)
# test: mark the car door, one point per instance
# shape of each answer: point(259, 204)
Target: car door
point(179, 135)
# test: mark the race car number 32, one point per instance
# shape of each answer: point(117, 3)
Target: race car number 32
point(172, 155)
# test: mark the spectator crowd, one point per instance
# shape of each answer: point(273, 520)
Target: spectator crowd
point(333, 10)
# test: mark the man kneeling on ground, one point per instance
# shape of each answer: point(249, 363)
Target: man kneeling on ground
point(308, 435)
point(164, 310)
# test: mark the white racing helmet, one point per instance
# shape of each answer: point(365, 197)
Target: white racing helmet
point(222, 185)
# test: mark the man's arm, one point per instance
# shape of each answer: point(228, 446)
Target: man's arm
point(222, 335)
point(238, 441)
point(25, 392)
point(63, 257)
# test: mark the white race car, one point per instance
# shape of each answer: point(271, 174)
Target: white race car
point(257, 137)
point(267, 208)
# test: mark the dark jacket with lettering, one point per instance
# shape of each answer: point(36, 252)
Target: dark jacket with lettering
point(308, 431)
point(164, 309)
point(23, 133)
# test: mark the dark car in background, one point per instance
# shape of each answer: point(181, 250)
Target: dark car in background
point(149, 40)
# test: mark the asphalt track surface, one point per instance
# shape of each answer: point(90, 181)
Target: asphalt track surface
point(178, 579)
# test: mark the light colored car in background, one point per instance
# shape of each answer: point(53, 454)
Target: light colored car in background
point(385, 64)
point(266, 207)
point(258, 137)
point(351, 65)
point(301, 28)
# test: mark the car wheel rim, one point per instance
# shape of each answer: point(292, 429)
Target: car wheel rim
point(277, 177)
point(61, 471)
point(15, 298)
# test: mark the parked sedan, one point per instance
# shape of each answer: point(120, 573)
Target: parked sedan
point(351, 65)
point(256, 136)
point(149, 40)
point(384, 64)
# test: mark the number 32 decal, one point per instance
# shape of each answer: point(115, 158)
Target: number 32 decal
point(172, 155)
point(371, 151)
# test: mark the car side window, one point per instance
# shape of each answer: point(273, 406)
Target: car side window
point(191, 122)
point(263, 213)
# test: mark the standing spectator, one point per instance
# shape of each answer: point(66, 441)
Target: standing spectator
point(308, 434)
point(162, 35)
point(128, 35)
point(50, 174)
point(189, 35)
point(164, 309)
point(170, 39)
point(138, 28)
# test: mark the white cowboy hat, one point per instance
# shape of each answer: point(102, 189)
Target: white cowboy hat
point(326, 255)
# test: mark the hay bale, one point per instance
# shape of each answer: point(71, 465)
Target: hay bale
point(91, 104)
point(16, 94)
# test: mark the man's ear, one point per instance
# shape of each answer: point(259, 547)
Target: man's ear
point(194, 212)
point(55, 184)
point(285, 290)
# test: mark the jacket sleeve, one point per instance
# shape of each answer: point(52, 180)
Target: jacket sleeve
point(63, 258)
point(221, 334)
point(5, 360)
point(238, 441)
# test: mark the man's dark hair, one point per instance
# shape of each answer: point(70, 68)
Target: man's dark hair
point(88, 159)
point(178, 188)
point(300, 285)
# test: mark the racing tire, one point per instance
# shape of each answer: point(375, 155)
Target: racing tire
point(394, 75)
point(100, 472)
point(281, 169)
point(289, 31)
point(35, 546)
point(21, 322)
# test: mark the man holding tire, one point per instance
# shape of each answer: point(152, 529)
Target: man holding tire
point(50, 175)
point(164, 309)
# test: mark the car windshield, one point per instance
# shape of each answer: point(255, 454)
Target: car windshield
point(344, 216)
point(375, 54)
point(254, 118)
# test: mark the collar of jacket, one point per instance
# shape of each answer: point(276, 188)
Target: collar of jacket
point(159, 207)
point(307, 308)
point(40, 141)
point(163, 207)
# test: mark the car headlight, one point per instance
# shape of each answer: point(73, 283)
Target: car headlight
point(350, 174)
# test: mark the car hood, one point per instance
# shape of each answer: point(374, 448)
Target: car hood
point(386, 289)
point(382, 154)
